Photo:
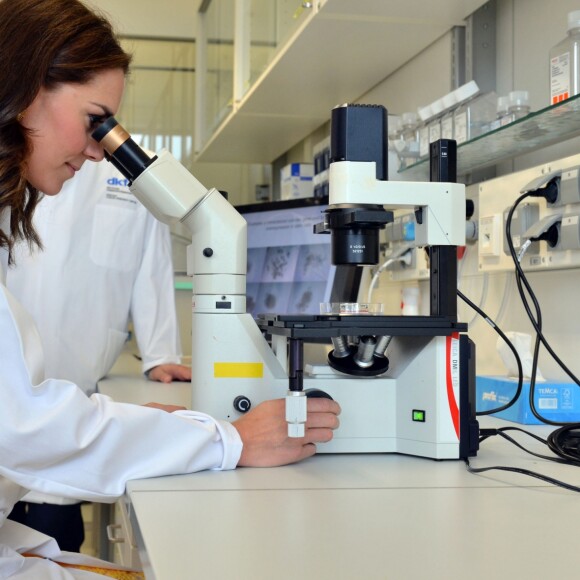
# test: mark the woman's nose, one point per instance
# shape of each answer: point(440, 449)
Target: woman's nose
point(94, 151)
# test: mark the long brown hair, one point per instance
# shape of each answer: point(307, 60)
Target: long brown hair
point(43, 43)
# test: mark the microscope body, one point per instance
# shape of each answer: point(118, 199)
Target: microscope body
point(416, 398)
point(414, 408)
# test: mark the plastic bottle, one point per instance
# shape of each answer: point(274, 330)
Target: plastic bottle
point(462, 94)
point(437, 107)
point(502, 112)
point(410, 297)
point(409, 153)
point(518, 105)
point(396, 143)
point(503, 116)
point(449, 102)
point(565, 63)
point(409, 123)
point(474, 117)
point(394, 132)
point(425, 115)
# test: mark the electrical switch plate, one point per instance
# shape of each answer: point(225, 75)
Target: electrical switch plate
point(490, 235)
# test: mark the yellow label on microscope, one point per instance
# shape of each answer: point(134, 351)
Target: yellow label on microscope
point(238, 370)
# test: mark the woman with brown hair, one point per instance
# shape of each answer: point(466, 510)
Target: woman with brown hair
point(62, 72)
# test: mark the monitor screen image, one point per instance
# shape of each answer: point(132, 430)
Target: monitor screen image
point(289, 267)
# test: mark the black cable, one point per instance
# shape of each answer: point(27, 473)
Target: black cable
point(535, 320)
point(501, 432)
point(486, 433)
point(522, 472)
point(565, 442)
point(521, 277)
point(511, 347)
point(560, 441)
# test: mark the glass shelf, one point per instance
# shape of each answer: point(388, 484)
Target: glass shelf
point(539, 129)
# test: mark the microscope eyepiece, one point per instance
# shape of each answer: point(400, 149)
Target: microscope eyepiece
point(105, 127)
point(121, 150)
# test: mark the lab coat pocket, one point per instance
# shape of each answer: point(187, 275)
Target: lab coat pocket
point(116, 239)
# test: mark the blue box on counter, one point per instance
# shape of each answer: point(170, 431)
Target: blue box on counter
point(558, 402)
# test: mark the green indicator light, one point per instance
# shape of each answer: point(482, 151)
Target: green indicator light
point(419, 416)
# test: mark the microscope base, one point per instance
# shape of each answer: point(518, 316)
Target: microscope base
point(423, 405)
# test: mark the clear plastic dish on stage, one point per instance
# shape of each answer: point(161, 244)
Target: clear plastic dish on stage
point(350, 308)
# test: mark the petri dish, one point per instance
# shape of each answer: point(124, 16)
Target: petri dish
point(351, 308)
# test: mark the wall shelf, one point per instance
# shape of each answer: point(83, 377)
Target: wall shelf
point(537, 130)
point(342, 49)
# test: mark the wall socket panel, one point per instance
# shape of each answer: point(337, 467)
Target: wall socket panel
point(418, 269)
point(496, 196)
point(395, 242)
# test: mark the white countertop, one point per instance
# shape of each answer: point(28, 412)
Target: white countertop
point(360, 516)
point(127, 384)
point(354, 516)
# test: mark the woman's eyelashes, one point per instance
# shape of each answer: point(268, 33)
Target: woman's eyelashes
point(96, 120)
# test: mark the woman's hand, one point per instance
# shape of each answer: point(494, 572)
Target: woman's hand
point(169, 372)
point(264, 432)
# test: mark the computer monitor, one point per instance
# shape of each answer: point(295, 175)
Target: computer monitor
point(289, 267)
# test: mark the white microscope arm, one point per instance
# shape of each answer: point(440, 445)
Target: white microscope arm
point(443, 221)
point(217, 257)
point(218, 252)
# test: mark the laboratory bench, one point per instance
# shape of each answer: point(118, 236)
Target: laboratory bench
point(372, 516)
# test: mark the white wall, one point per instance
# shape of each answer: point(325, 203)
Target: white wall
point(151, 17)
point(416, 84)
point(237, 179)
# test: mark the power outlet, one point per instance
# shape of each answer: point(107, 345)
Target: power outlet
point(417, 267)
point(495, 195)
point(523, 218)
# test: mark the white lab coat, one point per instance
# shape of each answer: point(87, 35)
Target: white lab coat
point(106, 259)
point(56, 440)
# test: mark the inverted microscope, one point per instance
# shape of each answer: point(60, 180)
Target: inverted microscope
point(406, 384)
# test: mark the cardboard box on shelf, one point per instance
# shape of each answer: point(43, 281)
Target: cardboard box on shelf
point(296, 180)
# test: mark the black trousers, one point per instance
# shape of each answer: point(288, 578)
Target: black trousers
point(63, 522)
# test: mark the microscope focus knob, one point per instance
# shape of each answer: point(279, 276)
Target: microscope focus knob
point(317, 394)
point(242, 404)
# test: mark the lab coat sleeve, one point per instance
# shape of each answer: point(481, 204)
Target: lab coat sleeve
point(153, 299)
point(53, 439)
